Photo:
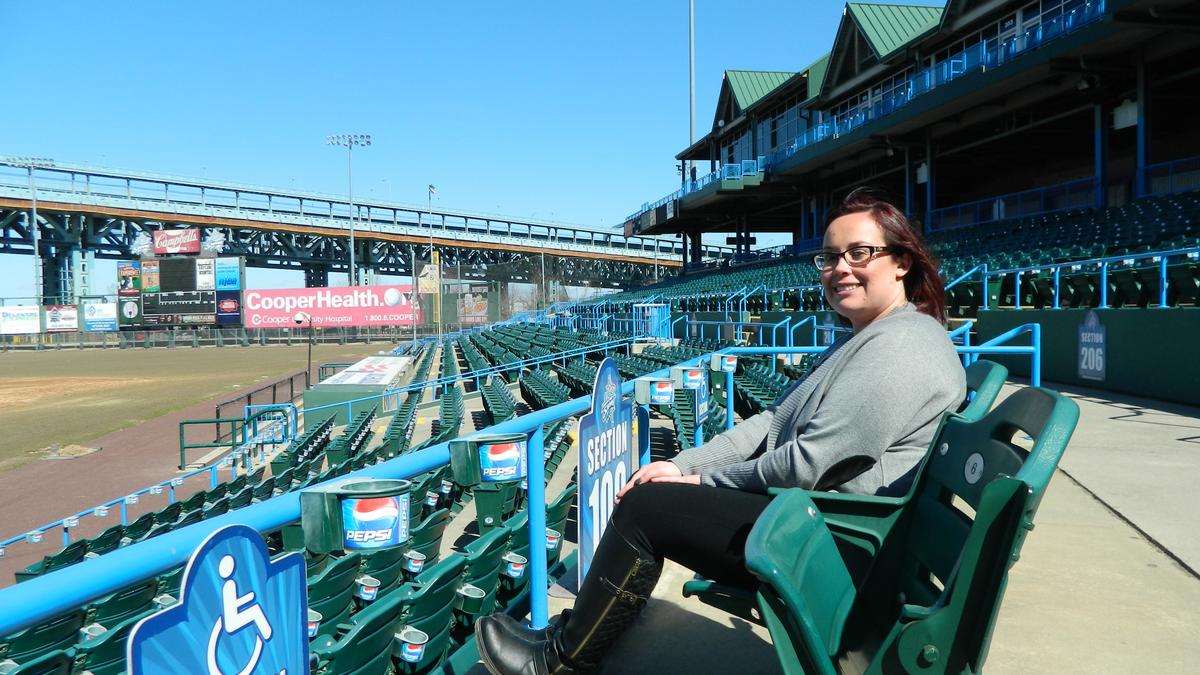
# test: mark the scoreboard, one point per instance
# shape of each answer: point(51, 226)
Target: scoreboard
point(181, 291)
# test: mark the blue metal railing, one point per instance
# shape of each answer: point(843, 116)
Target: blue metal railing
point(1170, 177)
point(1077, 194)
point(1126, 261)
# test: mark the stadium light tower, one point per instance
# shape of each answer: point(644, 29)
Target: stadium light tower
point(349, 141)
point(31, 163)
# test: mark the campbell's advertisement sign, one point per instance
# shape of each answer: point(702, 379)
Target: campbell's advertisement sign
point(167, 242)
point(343, 306)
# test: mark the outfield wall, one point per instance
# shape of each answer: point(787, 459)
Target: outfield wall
point(1146, 352)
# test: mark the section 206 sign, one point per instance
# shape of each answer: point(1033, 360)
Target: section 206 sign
point(344, 306)
point(606, 458)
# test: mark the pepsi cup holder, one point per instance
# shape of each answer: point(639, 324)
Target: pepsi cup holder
point(409, 644)
point(7, 666)
point(91, 632)
point(553, 539)
point(367, 588)
point(414, 563)
point(314, 623)
point(164, 600)
point(469, 599)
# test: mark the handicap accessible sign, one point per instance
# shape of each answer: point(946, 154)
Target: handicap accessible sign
point(606, 457)
point(241, 614)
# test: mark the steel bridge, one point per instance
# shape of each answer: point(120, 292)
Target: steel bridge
point(84, 212)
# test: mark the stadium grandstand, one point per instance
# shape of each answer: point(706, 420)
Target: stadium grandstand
point(1047, 148)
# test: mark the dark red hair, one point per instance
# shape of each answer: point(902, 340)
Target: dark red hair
point(922, 284)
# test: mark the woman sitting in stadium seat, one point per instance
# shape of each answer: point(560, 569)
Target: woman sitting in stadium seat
point(859, 422)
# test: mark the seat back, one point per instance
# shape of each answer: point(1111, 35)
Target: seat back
point(138, 528)
point(105, 655)
point(808, 593)
point(427, 536)
point(122, 604)
point(59, 632)
point(430, 598)
point(984, 382)
point(331, 593)
point(57, 662)
point(367, 646)
point(168, 513)
point(107, 540)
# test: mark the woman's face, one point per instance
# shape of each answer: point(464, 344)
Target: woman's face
point(862, 294)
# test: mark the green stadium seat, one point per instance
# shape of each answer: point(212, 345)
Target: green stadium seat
point(426, 538)
point(483, 572)
point(931, 592)
point(195, 501)
point(138, 528)
point(69, 555)
point(363, 646)
point(59, 632)
point(107, 540)
point(105, 654)
point(263, 491)
point(130, 601)
point(332, 591)
point(430, 602)
point(985, 379)
point(58, 662)
point(168, 514)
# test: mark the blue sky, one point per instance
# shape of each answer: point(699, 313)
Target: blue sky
point(569, 111)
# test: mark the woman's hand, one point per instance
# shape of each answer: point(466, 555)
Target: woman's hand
point(657, 472)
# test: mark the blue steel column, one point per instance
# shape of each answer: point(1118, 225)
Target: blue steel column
point(729, 400)
point(1100, 155)
point(537, 529)
point(1141, 155)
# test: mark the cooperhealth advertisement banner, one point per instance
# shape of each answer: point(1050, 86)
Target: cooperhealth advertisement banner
point(343, 306)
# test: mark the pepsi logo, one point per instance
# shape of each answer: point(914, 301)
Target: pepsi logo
point(373, 522)
point(228, 305)
point(412, 652)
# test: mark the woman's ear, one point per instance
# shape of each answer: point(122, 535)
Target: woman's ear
point(903, 265)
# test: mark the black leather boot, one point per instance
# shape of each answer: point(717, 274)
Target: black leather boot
point(613, 593)
point(518, 628)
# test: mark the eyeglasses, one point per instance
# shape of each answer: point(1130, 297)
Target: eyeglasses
point(855, 256)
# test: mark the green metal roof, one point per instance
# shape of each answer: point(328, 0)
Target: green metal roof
point(889, 28)
point(748, 86)
point(816, 75)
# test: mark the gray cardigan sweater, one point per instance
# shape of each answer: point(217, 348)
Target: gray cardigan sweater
point(859, 422)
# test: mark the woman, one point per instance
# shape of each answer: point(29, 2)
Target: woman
point(859, 422)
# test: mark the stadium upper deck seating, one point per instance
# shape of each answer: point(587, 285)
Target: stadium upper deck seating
point(1159, 223)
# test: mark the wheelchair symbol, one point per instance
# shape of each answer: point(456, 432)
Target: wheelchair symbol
point(237, 612)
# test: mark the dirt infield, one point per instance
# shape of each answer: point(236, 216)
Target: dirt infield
point(61, 398)
point(114, 418)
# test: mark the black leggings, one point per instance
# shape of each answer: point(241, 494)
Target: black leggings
point(702, 528)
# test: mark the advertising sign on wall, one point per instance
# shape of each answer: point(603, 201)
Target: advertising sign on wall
point(129, 278)
point(129, 311)
point(205, 274)
point(228, 274)
point(100, 317)
point(168, 242)
point(473, 305)
point(62, 318)
point(229, 308)
point(20, 319)
point(343, 306)
point(151, 279)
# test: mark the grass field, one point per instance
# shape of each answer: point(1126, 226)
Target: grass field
point(70, 397)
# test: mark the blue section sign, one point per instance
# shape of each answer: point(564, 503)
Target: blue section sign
point(240, 614)
point(1092, 348)
point(606, 458)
